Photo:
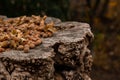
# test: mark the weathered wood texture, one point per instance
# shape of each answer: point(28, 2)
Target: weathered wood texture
point(65, 56)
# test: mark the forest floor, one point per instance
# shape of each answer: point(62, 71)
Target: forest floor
point(98, 74)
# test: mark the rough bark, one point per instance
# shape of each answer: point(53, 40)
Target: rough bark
point(65, 56)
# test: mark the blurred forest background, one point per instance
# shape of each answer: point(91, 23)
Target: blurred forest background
point(102, 15)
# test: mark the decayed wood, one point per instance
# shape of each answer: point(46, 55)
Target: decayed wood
point(65, 56)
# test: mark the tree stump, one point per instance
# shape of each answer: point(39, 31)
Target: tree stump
point(64, 56)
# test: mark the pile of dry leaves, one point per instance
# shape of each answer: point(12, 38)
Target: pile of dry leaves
point(23, 33)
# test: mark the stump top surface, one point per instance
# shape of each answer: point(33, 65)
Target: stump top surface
point(69, 32)
point(38, 53)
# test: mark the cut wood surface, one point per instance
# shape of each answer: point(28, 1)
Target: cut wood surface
point(64, 56)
